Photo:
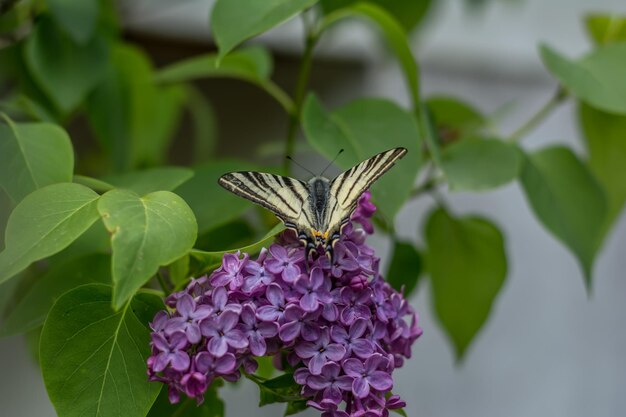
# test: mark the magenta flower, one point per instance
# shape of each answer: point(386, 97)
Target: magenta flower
point(355, 305)
point(258, 277)
point(276, 309)
point(170, 352)
point(320, 352)
point(313, 291)
point(256, 332)
point(299, 323)
point(188, 318)
point(206, 363)
point(221, 333)
point(230, 272)
point(330, 383)
point(368, 375)
point(352, 340)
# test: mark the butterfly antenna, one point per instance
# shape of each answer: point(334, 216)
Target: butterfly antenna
point(304, 168)
point(332, 162)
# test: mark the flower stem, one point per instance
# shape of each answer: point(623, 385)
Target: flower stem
point(556, 99)
point(303, 79)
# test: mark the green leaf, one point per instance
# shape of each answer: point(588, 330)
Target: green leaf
point(32, 309)
point(408, 13)
point(146, 232)
point(204, 122)
point(454, 119)
point(597, 79)
point(605, 135)
point(606, 28)
point(405, 268)
point(467, 265)
point(93, 183)
point(149, 180)
point(78, 18)
point(33, 155)
point(67, 72)
point(213, 406)
point(475, 165)
point(363, 128)
point(93, 359)
point(134, 119)
point(295, 407)
point(234, 21)
point(205, 261)
point(213, 205)
point(95, 239)
point(253, 64)
point(179, 271)
point(567, 200)
point(281, 389)
point(394, 33)
point(230, 235)
point(44, 223)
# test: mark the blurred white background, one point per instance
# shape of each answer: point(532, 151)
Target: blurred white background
point(548, 349)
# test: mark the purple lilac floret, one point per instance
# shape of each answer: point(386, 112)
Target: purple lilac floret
point(341, 327)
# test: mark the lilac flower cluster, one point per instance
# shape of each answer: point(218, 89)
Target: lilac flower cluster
point(340, 326)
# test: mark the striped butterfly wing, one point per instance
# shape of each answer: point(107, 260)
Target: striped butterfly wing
point(283, 196)
point(346, 189)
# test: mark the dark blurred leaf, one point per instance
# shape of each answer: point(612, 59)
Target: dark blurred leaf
point(266, 367)
point(409, 13)
point(213, 406)
point(103, 370)
point(394, 34)
point(44, 223)
point(475, 165)
point(252, 64)
point(568, 201)
point(205, 126)
point(33, 155)
point(179, 271)
point(606, 28)
point(454, 119)
point(294, 407)
point(67, 72)
point(204, 261)
point(33, 308)
point(363, 128)
point(95, 239)
point(146, 232)
point(212, 204)
point(132, 117)
point(95, 184)
point(230, 235)
point(431, 136)
point(405, 268)
point(153, 179)
point(234, 21)
point(467, 266)
point(605, 135)
point(597, 79)
point(78, 18)
point(281, 389)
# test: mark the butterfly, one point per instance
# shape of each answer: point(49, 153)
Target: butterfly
point(316, 210)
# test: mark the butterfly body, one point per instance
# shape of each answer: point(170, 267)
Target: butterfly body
point(318, 209)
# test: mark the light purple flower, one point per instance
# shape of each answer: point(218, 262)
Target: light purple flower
point(345, 261)
point(355, 305)
point(276, 309)
point(208, 364)
point(258, 277)
point(194, 384)
point(352, 340)
point(298, 323)
point(330, 382)
point(284, 261)
point(368, 375)
point(170, 352)
point(313, 290)
point(230, 271)
point(221, 333)
point(320, 352)
point(219, 300)
point(256, 332)
point(188, 317)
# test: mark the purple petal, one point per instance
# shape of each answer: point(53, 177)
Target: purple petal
point(306, 350)
point(301, 375)
point(290, 273)
point(208, 328)
point(257, 345)
point(203, 361)
point(317, 382)
point(275, 295)
point(219, 298)
point(330, 370)
point(344, 382)
point(161, 361)
point(332, 394)
point(309, 302)
point(317, 278)
point(289, 331)
point(339, 334)
point(247, 315)
point(267, 329)
point(226, 364)
point(330, 312)
point(202, 312)
point(228, 320)
point(293, 312)
point(178, 340)
point(310, 332)
point(268, 313)
point(380, 380)
point(360, 387)
point(193, 333)
point(353, 367)
point(179, 360)
point(220, 278)
point(185, 305)
point(278, 252)
point(274, 266)
point(316, 363)
point(236, 339)
point(218, 346)
point(358, 328)
point(362, 348)
point(159, 342)
point(335, 352)
point(374, 362)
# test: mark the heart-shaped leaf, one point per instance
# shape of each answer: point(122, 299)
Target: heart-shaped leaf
point(467, 265)
point(568, 201)
point(78, 18)
point(93, 359)
point(44, 223)
point(146, 232)
point(33, 155)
